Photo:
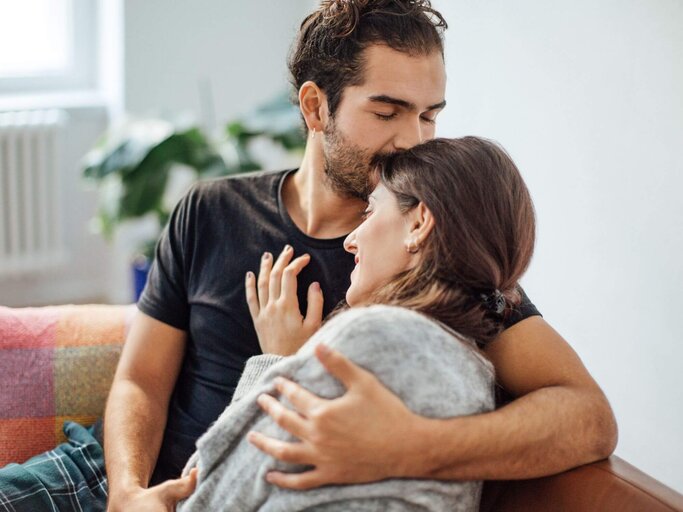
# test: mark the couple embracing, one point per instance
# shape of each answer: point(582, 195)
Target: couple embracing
point(360, 367)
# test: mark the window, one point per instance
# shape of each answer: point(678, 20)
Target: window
point(47, 45)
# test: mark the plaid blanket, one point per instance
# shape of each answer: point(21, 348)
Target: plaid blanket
point(69, 478)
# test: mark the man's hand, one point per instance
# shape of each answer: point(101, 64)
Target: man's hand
point(381, 425)
point(160, 498)
point(274, 306)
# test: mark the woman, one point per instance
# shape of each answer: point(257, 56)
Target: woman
point(448, 232)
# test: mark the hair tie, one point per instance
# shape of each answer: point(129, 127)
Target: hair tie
point(494, 301)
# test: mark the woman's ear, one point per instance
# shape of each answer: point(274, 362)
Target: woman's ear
point(313, 106)
point(420, 226)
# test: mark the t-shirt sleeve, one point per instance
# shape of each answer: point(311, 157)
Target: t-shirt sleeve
point(524, 310)
point(165, 294)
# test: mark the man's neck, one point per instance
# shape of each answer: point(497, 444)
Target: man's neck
point(315, 208)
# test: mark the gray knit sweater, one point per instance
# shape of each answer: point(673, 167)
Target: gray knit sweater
point(433, 372)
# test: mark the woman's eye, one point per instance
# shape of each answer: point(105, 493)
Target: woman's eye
point(366, 214)
point(385, 117)
point(428, 120)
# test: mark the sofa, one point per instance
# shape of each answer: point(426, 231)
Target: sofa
point(57, 363)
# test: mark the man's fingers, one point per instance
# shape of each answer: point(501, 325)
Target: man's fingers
point(289, 420)
point(341, 367)
point(296, 481)
point(289, 276)
point(314, 311)
point(180, 488)
point(303, 400)
point(276, 274)
point(264, 278)
point(252, 295)
point(294, 453)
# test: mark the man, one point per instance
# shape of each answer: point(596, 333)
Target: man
point(370, 79)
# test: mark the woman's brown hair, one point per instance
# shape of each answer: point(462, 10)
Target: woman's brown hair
point(483, 237)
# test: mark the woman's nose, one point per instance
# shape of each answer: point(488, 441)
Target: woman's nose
point(350, 243)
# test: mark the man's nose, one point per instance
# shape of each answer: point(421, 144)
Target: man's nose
point(411, 134)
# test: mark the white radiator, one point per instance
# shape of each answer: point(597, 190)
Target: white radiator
point(31, 234)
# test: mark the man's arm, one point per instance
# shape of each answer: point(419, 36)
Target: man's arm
point(136, 411)
point(559, 420)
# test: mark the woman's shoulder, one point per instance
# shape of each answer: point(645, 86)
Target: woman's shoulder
point(380, 315)
point(397, 332)
point(382, 322)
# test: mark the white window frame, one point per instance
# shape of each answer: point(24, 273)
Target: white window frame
point(83, 74)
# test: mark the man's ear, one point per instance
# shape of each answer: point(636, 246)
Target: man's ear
point(420, 225)
point(313, 106)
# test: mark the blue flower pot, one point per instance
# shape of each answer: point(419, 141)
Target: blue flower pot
point(140, 267)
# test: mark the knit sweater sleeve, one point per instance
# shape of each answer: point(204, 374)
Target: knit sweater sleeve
point(433, 372)
point(254, 370)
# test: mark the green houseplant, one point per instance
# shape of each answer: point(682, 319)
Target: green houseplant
point(132, 165)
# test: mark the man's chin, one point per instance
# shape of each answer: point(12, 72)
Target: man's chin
point(348, 189)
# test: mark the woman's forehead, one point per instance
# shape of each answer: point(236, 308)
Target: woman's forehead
point(379, 193)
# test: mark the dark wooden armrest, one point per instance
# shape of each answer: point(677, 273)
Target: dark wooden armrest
point(605, 486)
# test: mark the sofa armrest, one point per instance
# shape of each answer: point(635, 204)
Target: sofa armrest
point(608, 485)
point(56, 364)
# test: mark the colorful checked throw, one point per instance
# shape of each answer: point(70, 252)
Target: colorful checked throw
point(56, 364)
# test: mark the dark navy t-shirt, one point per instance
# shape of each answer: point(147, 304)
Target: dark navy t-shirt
point(217, 233)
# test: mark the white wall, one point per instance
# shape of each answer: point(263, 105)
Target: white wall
point(588, 99)
point(236, 49)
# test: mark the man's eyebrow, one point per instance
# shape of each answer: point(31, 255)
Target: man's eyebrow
point(383, 98)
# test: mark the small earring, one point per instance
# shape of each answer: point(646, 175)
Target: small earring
point(313, 136)
point(412, 247)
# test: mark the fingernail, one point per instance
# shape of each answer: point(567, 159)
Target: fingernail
point(288, 247)
point(266, 255)
point(269, 478)
point(316, 286)
point(324, 350)
point(250, 275)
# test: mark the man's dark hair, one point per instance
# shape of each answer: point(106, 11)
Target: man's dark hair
point(329, 46)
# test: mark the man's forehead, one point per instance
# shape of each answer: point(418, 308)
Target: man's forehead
point(415, 79)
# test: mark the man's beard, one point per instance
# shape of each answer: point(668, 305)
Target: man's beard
point(347, 167)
